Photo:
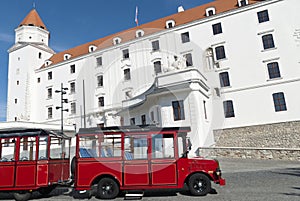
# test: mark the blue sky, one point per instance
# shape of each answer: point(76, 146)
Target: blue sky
point(74, 22)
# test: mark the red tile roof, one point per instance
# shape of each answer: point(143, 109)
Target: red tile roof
point(181, 18)
point(33, 19)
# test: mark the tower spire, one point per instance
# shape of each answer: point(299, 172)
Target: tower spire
point(33, 19)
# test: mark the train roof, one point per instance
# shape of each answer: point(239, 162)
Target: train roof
point(131, 129)
point(28, 132)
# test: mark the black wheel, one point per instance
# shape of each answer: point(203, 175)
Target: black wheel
point(46, 190)
point(22, 195)
point(107, 188)
point(199, 184)
point(73, 166)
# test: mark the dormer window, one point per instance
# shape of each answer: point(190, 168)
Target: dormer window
point(67, 56)
point(210, 11)
point(92, 48)
point(139, 33)
point(242, 3)
point(170, 24)
point(48, 62)
point(117, 41)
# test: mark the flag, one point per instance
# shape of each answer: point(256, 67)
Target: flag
point(136, 16)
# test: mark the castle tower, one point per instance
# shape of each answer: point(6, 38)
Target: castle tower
point(27, 54)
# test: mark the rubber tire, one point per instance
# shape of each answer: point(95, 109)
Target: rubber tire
point(22, 196)
point(46, 190)
point(73, 166)
point(107, 194)
point(197, 190)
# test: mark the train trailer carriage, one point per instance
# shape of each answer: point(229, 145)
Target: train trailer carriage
point(115, 159)
point(33, 160)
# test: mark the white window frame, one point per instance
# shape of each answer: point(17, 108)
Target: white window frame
point(213, 9)
point(170, 22)
point(92, 48)
point(137, 33)
point(240, 2)
point(117, 40)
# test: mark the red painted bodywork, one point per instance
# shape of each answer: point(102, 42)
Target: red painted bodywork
point(18, 175)
point(142, 174)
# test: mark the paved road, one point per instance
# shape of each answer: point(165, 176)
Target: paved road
point(247, 180)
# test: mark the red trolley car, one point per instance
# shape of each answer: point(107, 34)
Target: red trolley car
point(139, 158)
point(32, 159)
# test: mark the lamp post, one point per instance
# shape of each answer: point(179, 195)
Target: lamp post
point(63, 100)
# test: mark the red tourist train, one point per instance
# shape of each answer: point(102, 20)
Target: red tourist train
point(108, 160)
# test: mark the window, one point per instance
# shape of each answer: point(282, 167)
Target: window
point(185, 37)
point(228, 109)
point(243, 3)
point(139, 33)
point(27, 148)
point(189, 59)
point(50, 75)
point(210, 11)
point(117, 40)
point(100, 80)
point(99, 61)
point(157, 67)
point(132, 121)
point(170, 24)
point(178, 110)
point(155, 45)
point(73, 108)
point(38, 80)
point(67, 56)
point(92, 48)
point(143, 119)
point(268, 41)
point(217, 28)
point(18, 82)
point(263, 16)
point(224, 79)
point(40, 55)
point(49, 112)
point(72, 69)
point(220, 52)
point(163, 146)
point(49, 93)
point(127, 74)
point(72, 87)
point(279, 102)
point(125, 54)
point(273, 70)
point(204, 108)
point(135, 147)
point(16, 101)
point(101, 101)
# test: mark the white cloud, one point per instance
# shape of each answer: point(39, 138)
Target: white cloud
point(6, 37)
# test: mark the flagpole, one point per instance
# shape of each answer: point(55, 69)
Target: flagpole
point(136, 16)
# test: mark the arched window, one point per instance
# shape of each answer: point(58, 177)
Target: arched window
point(67, 56)
point(92, 48)
point(139, 33)
point(170, 24)
point(117, 40)
point(210, 11)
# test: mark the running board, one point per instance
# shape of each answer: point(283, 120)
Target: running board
point(133, 196)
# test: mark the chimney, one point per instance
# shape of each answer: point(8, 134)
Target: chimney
point(180, 9)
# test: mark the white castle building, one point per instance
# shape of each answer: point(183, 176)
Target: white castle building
point(222, 65)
